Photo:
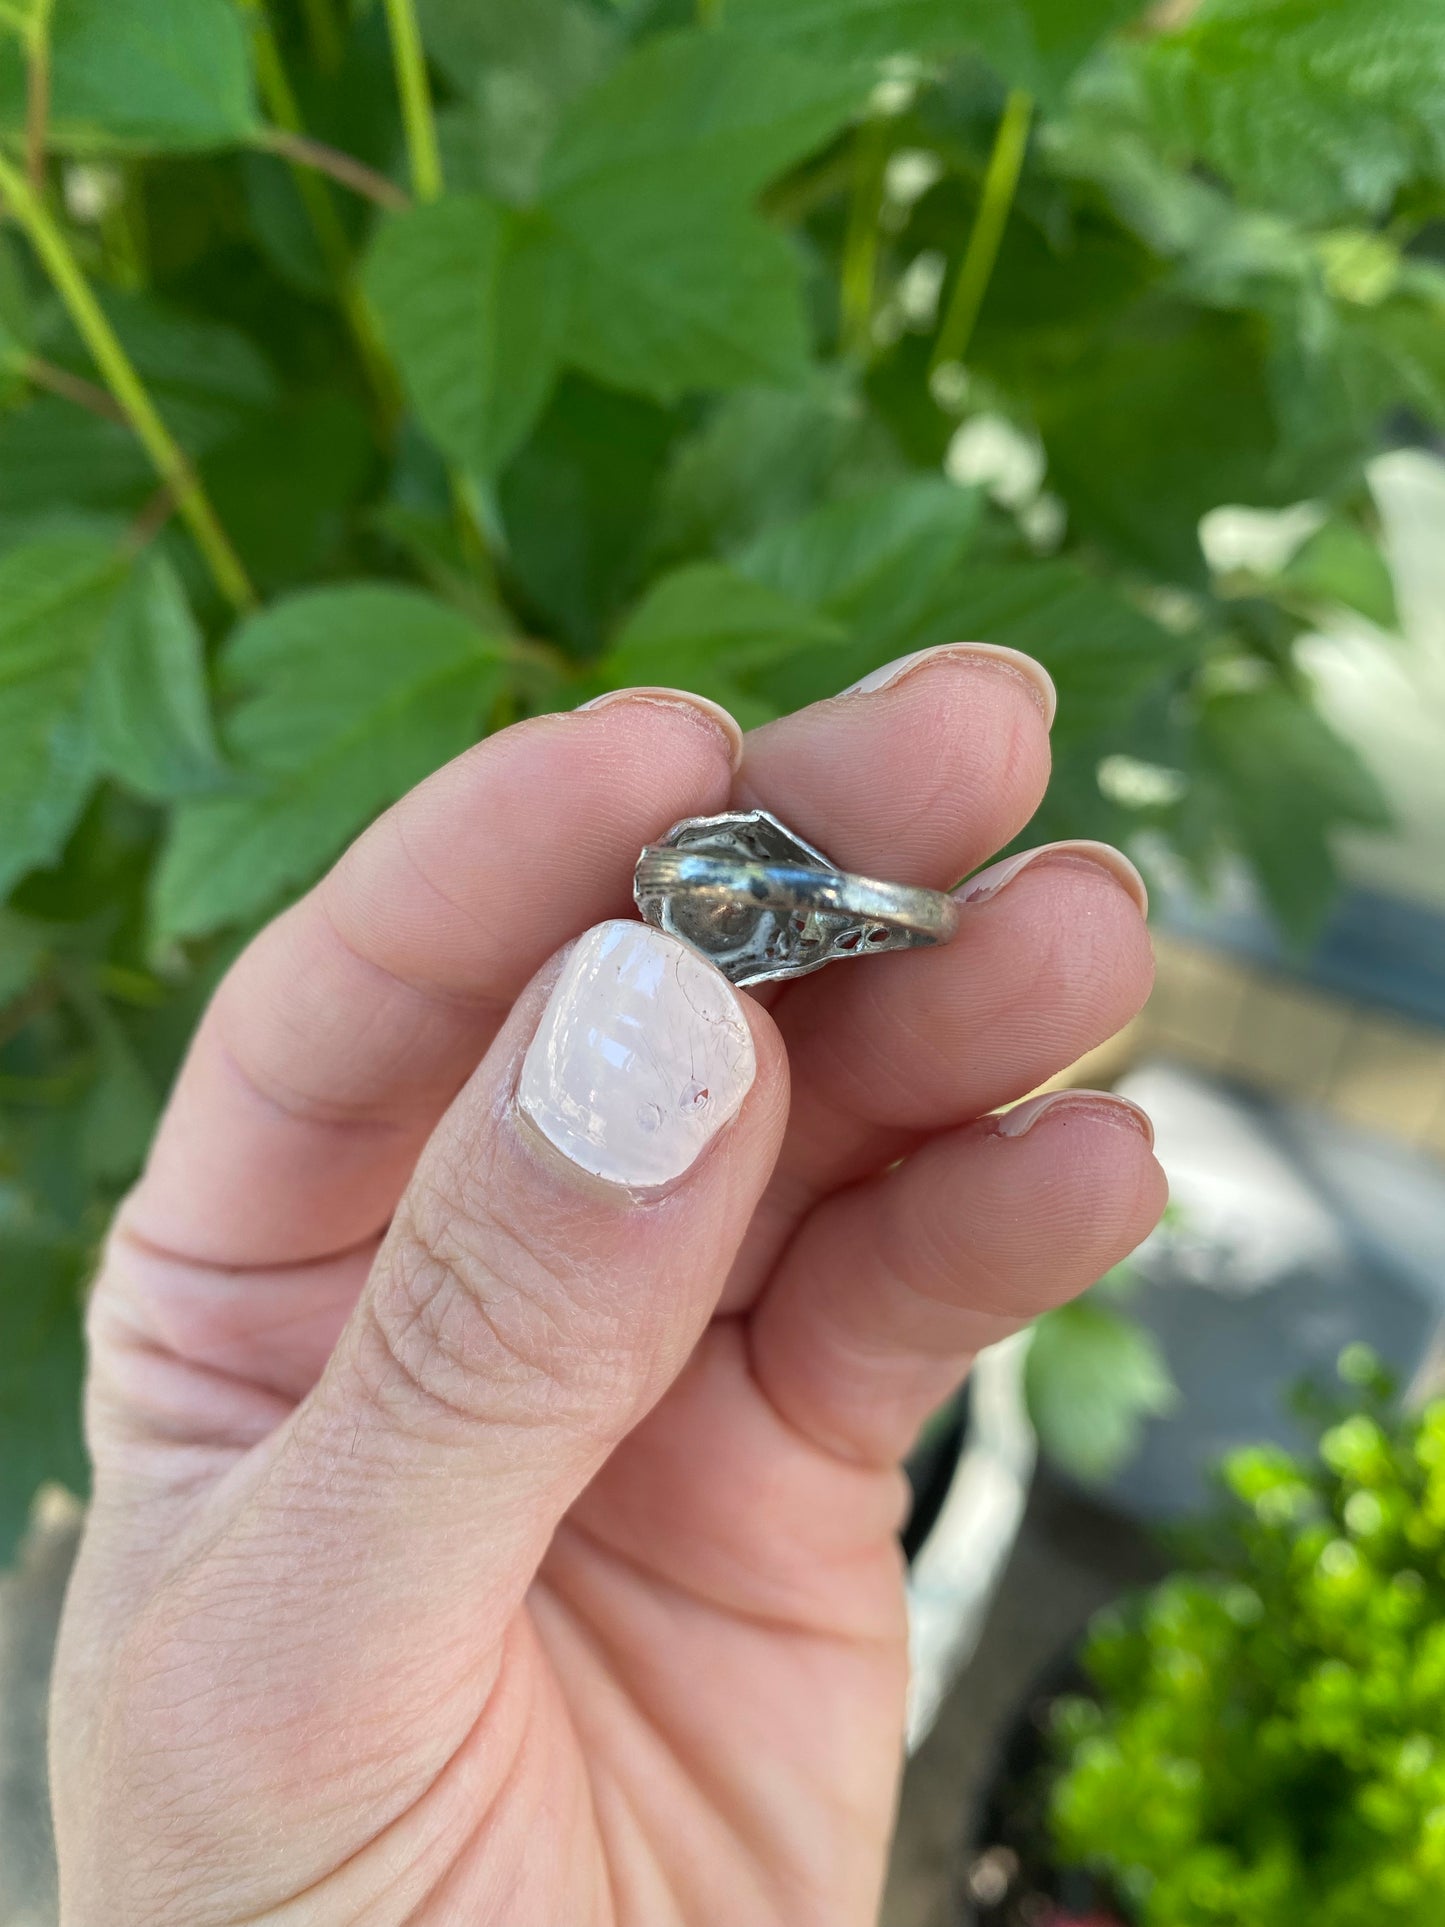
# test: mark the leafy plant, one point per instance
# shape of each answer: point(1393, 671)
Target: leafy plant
point(1093, 1378)
point(1265, 1744)
point(373, 372)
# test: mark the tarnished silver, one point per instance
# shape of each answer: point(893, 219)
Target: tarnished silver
point(762, 904)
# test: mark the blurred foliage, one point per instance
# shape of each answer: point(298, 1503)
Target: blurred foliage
point(1093, 1377)
point(367, 381)
point(1266, 1741)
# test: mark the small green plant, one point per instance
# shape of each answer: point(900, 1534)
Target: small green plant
point(1267, 1745)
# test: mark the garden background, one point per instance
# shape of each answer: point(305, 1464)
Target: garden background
point(375, 372)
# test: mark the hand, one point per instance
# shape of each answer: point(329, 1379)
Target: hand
point(477, 1538)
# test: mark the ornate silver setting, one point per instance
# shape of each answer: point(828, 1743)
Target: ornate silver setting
point(761, 904)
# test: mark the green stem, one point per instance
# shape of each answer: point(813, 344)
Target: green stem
point(1000, 182)
point(72, 388)
point(37, 95)
point(170, 460)
point(414, 88)
point(326, 225)
point(860, 247)
point(323, 30)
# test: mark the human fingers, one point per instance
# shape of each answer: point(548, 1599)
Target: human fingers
point(346, 1027)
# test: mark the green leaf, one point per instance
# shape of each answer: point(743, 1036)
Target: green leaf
point(873, 561)
point(162, 76)
point(763, 456)
point(151, 717)
point(56, 596)
point(1138, 488)
point(575, 504)
point(705, 627)
point(1318, 107)
point(1105, 654)
point(1284, 782)
point(24, 946)
point(513, 65)
point(678, 285)
point(661, 308)
point(693, 121)
point(207, 378)
point(473, 300)
point(348, 697)
point(1092, 1378)
point(17, 324)
point(1341, 566)
point(41, 1363)
point(1033, 43)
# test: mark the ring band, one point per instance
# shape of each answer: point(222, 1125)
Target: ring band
point(762, 904)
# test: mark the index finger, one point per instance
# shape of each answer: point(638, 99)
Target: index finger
point(346, 1027)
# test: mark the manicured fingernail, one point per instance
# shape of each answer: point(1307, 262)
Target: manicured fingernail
point(1040, 682)
point(642, 1056)
point(1103, 856)
point(711, 712)
point(1106, 1104)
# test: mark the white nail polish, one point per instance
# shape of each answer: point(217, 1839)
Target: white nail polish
point(642, 1056)
point(1040, 682)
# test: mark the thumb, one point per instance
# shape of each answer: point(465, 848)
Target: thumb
point(561, 1246)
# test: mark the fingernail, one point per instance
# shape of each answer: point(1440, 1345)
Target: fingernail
point(711, 712)
point(1040, 682)
point(1103, 856)
point(642, 1056)
point(1107, 1104)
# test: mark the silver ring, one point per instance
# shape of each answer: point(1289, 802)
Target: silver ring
point(761, 904)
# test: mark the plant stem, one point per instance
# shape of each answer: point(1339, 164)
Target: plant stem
point(170, 460)
point(1000, 181)
point(323, 30)
point(37, 95)
point(74, 388)
point(285, 110)
point(414, 88)
point(302, 151)
point(860, 247)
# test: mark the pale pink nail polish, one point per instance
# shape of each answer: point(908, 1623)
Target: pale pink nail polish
point(1108, 1104)
point(714, 713)
point(988, 883)
point(642, 1056)
point(1038, 679)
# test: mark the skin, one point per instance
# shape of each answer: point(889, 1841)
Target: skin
point(473, 1541)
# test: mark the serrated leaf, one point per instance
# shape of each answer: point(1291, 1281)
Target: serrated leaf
point(150, 715)
point(693, 120)
point(140, 76)
point(1103, 652)
point(348, 697)
point(473, 298)
point(1319, 107)
point(207, 378)
point(1284, 782)
point(873, 560)
point(56, 596)
point(41, 1364)
point(705, 627)
point(678, 285)
point(1092, 1378)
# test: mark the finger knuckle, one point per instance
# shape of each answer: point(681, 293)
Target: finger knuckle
point(474, 1318)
